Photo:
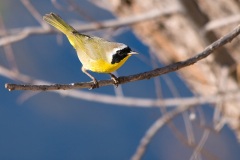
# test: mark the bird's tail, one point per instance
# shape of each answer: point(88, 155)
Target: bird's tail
point(57, 22)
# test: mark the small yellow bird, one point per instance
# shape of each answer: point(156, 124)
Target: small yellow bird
point(95, 54)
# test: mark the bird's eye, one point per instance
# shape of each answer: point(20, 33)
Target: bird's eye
point(120, 53)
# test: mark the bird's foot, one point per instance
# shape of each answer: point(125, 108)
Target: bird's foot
point(115, 79)
point(94, 85)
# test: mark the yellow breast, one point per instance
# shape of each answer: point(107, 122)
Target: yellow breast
point(101, 65)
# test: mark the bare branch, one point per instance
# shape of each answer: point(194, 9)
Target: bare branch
point(127, 101)
point(154, 128)
point(199, 147)
point(22, 34)
point(217, 116)
point(19, 34)
point(157, 126)
point(80, 94)
point(141, 76)
point(219, 23)
point(8, 49)
point(34, 13)
point(75, 7)
point(190, 137)
point(58, 6)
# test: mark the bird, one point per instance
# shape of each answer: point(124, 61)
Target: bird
point(96, 54)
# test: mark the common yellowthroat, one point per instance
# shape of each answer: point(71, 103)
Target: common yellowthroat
point(96, 54)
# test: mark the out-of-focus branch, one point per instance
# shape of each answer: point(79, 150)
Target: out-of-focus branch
point(157, 126)
point(75, 7)
point(173, 88)
point(199, 147)
point(141, 76)
point(218, 23)
point(34, 13)
point(19, 34)
point(59, 6)
point(8, 50)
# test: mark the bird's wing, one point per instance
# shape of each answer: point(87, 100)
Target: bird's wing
point(94, 47)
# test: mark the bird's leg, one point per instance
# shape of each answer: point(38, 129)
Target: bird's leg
point(115, 79)
point(95, 82)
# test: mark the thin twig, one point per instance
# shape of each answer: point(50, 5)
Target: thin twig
point(219, 23)
point(59, 6)
point(8, 50)
point(75, 7)
point(34, 13)
point(15, 35)
point(141, 76)
point(176, 94)
point(222, 80)
point(200, 145)
point(174, 91)
point(156, 127)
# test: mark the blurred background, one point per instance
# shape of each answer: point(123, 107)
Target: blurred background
point(137, 120)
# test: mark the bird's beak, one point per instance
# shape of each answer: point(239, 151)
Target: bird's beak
point(131, 53)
